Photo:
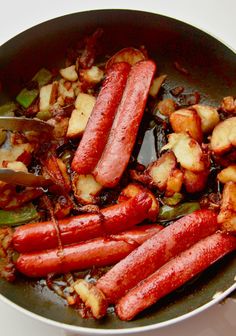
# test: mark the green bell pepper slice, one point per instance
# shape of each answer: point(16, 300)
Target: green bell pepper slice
point(26, 97)
point(173, 200)
point(42, 77)
point(168, 213)
point(25, 214)
point(7, 110)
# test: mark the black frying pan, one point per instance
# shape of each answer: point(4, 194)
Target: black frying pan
point(212, 68)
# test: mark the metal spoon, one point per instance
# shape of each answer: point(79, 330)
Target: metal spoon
point(22, 178)
point(25, 124)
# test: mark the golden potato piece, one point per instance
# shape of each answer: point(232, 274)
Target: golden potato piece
point(195, 182)
point(45, 97)
point(48, 96)
point(83, 108)
point(129, 55)
point(174, 182)
point(85, 188)
point(228, 104)
point(14, 152)
point(227, 215)
point(60, 127)
point(156, 85)
point(208, 115)
point(187, 121)
point(160, 170)
point(92, 297)
point(230, 224)
point(187, 151)
point(166, 106)
point(69, 73)
point(65, 91)
point(224, 136)
point(93, 75)
point(228, 174)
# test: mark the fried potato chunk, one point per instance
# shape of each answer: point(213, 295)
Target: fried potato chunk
point(228, 104)
point(92, 297)
point(129, 55)
point(17, 152)
point(83, 108)
point(195, 182)
point(227, 215)
point(224, 136)
point(228, 174)
point(86, 188)
point(174, 182)
point(187, 121)
point(162, 174)
point(160, 170)
point(208, 115)
point(156, 85)
point(166, 106)
point(187, 151)
point(69, 73)
point(93, 75)
point(45, 97)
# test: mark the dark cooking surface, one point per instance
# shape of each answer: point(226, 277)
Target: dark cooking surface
point(212, 70)
point(42, 301)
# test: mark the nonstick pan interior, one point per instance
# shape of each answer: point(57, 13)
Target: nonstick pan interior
point(212, 72)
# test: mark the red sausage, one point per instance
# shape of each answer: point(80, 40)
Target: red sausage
point(124, 130)
point(155, 252)
point(113, 219)
point(102, 251)
point(174, 274)
point(97, 130)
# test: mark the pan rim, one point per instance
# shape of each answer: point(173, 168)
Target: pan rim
point(131, 330)
point(186, 22)
point(123, 331)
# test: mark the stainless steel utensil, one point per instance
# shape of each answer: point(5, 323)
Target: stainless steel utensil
point(22, 178)
point(25, 124)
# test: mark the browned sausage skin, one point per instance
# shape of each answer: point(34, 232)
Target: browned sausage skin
point(155, 252)
point(113, 219)
point(174, 274)
point(102, 251)
point(124, 130)
point(97, 130)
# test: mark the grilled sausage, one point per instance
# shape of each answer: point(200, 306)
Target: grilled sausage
point(97, 130)
point(155, 252)
point(113, 219)
point(102, 251)
point(175, 273)
point(124, 130)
